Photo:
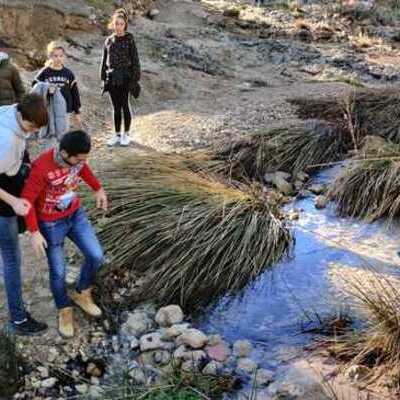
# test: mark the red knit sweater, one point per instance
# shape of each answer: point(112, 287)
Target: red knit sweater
point(48, 182)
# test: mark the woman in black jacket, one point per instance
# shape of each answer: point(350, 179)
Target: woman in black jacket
point(120, 72)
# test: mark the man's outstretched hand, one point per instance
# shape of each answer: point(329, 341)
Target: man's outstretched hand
point(101, 199)
point(39, 243)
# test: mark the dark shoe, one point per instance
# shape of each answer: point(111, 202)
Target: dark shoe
point(30, 327)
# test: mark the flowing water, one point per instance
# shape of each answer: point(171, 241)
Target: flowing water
point(269, 312)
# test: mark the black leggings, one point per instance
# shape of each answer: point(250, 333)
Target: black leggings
point(120, 102)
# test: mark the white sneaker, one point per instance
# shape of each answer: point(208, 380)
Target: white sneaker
point(113, 141)
point(125, 139)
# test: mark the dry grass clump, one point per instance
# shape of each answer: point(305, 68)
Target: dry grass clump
point(364, 111)
point(291, 149)
point(10, 366)
point(377, 344)
point(364, 40)
point(369, 187)
point(195, 233)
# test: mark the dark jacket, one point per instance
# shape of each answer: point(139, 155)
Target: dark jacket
point(11, 87)
point(13, 185)
point(120, 53)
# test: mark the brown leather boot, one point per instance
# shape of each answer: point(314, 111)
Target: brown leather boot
point(85, 301)
point(66, 322)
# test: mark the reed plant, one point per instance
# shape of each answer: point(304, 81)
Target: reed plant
point(196, 234)
point(369, 187)
point(290, 149)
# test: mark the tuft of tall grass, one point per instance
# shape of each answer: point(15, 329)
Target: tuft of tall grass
point(10, 366)
point(377, 344)
point(369, 187)
point(291, 149)
point(369, 112)
point(196, 234)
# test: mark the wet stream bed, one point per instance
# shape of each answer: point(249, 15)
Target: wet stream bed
point(271, 311)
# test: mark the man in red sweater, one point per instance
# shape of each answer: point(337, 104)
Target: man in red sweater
point(56, 214)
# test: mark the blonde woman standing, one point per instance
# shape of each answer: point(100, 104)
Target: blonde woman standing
point(120, 72)
point(56, 73)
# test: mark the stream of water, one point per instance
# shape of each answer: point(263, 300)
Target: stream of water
point(269, 311)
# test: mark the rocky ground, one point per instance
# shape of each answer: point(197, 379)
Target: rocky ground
point(213, 71)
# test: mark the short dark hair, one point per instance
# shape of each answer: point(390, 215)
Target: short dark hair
point(75, 142)
point(33, 109)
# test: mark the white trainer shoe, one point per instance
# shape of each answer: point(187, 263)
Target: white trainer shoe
point(125, 139)
point(113, 141)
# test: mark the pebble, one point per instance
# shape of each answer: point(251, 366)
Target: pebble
point(219, 352)
point(264, 377)
point(213, 340)
point(82, 389)
point(162, 357)
point(115, 343)
point(151, 341)
point(174, 331)
point(96, 392)
point(93, 370)
point(179, 352)
point(49, 383)
point(153, 13)
point(134, 344)
point(190, 366)
point(44, 372)
point(246, 366)
point(242, 348)
point(138, 376)
point(317, 189)
point(95, 381)
point(193, 338)
point(196, 355)
point(53, 355)
point(212, 368)
point(169, 315)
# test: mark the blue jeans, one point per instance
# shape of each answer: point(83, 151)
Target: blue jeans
point(77, 228)
point(11, 256)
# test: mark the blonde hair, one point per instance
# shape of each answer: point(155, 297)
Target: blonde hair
point(120, 13)
point(54, 45)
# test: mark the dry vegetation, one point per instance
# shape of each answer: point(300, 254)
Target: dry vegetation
point(376, 345)
point(293, 149)
point(196, 234)
point(369, 187)
point(362, 112)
